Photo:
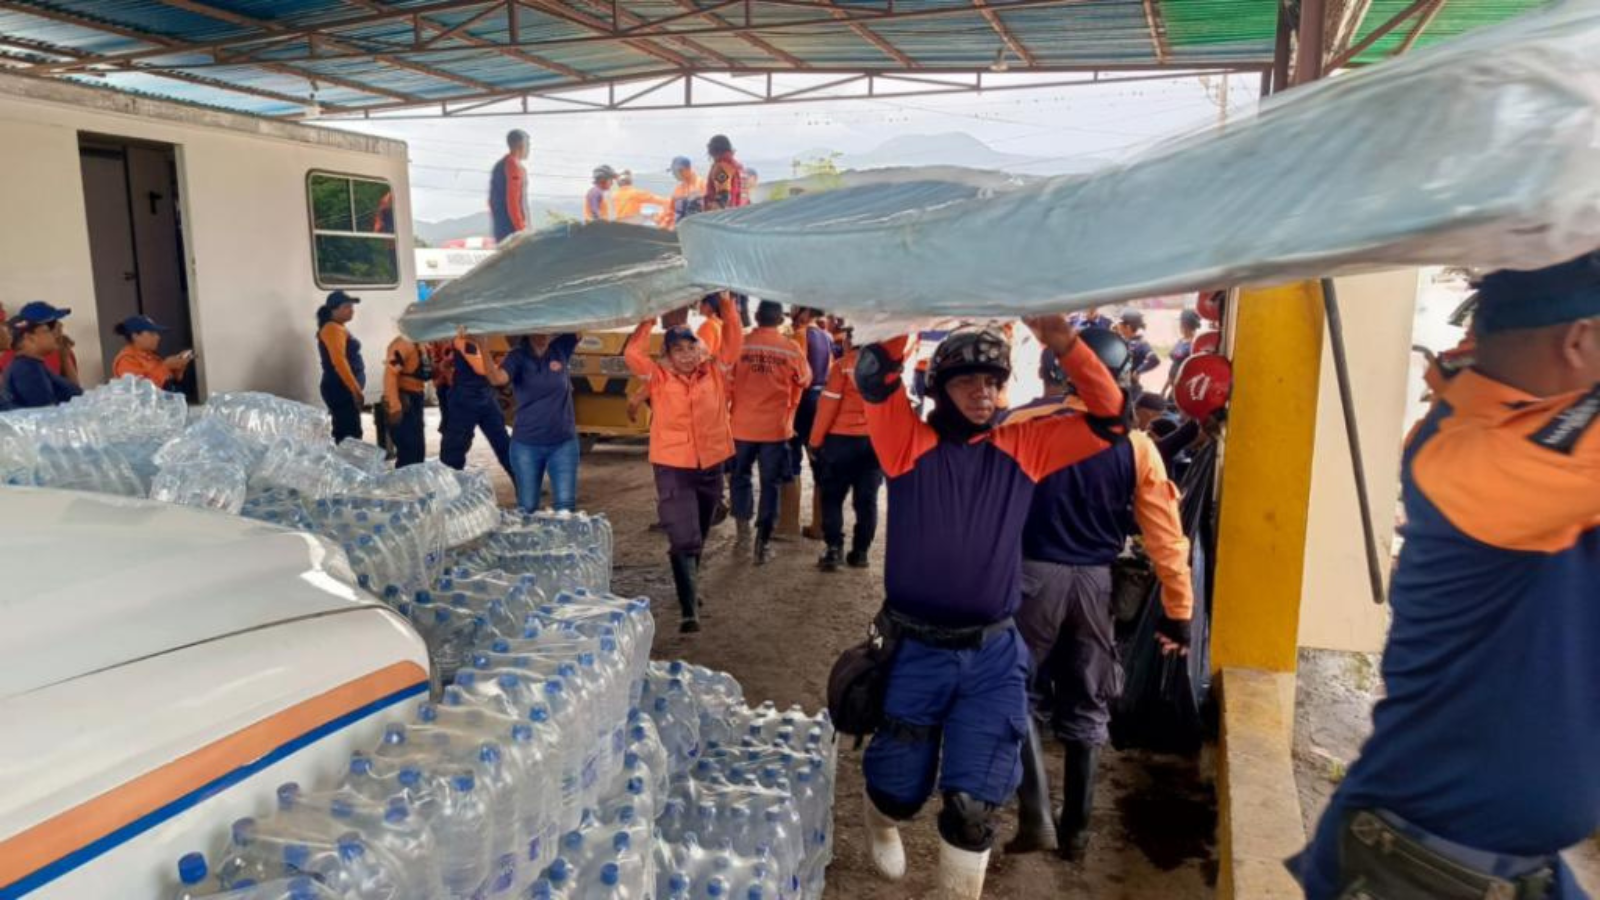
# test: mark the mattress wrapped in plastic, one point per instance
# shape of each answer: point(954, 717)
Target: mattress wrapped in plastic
point(565, 278)
point(1484, 151)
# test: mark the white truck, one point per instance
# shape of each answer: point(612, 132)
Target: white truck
point(162, 670)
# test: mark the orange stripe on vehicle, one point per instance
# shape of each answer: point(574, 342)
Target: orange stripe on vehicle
point(50, 840)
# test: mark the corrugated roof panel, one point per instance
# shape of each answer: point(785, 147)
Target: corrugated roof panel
point(1456, 18)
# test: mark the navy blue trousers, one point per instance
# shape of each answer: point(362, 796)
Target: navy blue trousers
point(410, 447)
point(345, 409)
point(469, 412)
point(774, 459)
point(971, 703)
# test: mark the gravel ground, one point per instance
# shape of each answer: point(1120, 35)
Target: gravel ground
point(779, 628)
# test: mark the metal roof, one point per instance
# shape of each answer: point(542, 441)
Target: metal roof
point(371, 57)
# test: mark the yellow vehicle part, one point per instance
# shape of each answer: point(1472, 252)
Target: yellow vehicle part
point(602, 386)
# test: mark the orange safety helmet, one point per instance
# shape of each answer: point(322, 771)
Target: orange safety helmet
point(1206, 342)
point(1210, 305)
point(1203, 385)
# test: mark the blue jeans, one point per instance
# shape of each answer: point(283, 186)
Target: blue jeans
point(530, 462)
point(774, 460)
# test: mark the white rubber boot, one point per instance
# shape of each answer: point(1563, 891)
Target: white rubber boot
point(961, 873)
point(883, 839)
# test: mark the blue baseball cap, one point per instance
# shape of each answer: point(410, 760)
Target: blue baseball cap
point(39, 313)
point(1512, 299)
point(679, 335)
point(679, 163)
point(140, 324)
point(338, 299)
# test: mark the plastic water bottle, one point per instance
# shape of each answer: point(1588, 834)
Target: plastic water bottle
point(191, 876)
point(459, 836)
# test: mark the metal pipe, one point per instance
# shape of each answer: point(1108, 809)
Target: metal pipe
point(1358, 466)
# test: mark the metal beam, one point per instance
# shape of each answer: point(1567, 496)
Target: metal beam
point(1378, 33)
point(456, 29)
point(621, 16)
point(1344, 23)
point(1158, 30)
point(603, 32)
point(169, 46)
point(1423, 21)
point(1283, 49)
point(807, 94)
point(752, 40)
point(1311, 45)
point(871, 36)
point(1006, 37)
point(510, 52)
point(275, 28)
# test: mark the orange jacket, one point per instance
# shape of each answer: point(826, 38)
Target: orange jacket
point(684, 194)
point(689, 413)
point(768, 380)
point(143, 364)
point(841, 409)
point(628, 202)
point(710, 334)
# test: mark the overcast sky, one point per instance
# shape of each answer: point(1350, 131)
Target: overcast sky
point(450, 158)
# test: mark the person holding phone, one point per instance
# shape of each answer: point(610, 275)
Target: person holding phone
point(140, 358)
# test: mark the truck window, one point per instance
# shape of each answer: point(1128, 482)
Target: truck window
point(352, 231)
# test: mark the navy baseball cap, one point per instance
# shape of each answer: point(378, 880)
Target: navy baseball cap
point(1510, 299)
point(679, 163)
point(140, 324)
point(338, 299)
point(678, 335)
point(39, 313)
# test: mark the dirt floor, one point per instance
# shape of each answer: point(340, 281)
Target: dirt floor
point(1333, 718)
point(778, 629)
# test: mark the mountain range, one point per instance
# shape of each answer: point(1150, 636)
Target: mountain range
point(951, 149)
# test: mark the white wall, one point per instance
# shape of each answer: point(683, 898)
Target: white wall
point(251, 289)
point(1336, 609)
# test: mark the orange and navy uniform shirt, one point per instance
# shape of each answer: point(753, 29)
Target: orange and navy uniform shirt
point(342, 354)
point(402, 371)
point(841, 409)
point(689, 426)
point(1490, 725)
point(144, 364)
point(957, 508)
point(1082, 515)
point(770, 376)
point(710, 335)
point(725, 184)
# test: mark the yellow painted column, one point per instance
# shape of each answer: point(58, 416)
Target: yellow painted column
point(1266, 477)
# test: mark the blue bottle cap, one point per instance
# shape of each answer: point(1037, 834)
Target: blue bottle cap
point(508, 681)
point(350, 846)
point(610, 874)
point(394, 733)
point(397, 811)
point(426, 714)
point(192, 868)
point(678, 882)
point(463, 782)
point(621, 841)
point(522, 732)
point(500, 645)
point(466, 678)
point(572, 840)
point(489, 753)
point(302, 889)
point(539, 713)
point(244, 830)
point(295, 856)
point(288, 793)
point(410, 777)
point(559, 870)
point(340, 808)
point(361, 765)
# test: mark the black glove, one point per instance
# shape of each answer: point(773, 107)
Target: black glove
point(1180, 632)
point(877, 373)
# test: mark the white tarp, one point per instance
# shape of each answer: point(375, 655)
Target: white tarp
point(1484, 152)
point(567, 278)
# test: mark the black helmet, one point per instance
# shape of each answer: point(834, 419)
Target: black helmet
point(719, 145)
point(982, 350)
point(1132, 318)
point(1110, 348)
point(603, 173)
point(1189, 319)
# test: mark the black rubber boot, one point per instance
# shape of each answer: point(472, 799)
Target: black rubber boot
point(684, 577)
point(856, 559)
point(1036, 829)
point(763, 545)
point(831, 558)
point(1077, 800)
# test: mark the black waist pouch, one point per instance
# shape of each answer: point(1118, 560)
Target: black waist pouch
point(859, 679)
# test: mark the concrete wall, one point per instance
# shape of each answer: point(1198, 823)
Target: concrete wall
point(1336, 610)
point(246, 230)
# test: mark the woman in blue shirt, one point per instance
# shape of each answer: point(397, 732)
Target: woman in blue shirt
point(544, 437)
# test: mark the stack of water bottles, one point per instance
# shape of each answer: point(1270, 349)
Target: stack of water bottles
point(556, 762)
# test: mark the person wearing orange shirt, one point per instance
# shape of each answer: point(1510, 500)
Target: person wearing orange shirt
point(768, 379)
point(508, 193)
point(688, 195)
point(710, 331)
point(690, 439)
point(140, 358)
point(845, 464)
point(344, 375)
point(628, 202)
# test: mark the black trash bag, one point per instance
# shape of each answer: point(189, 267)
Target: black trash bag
point(1162, 696)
